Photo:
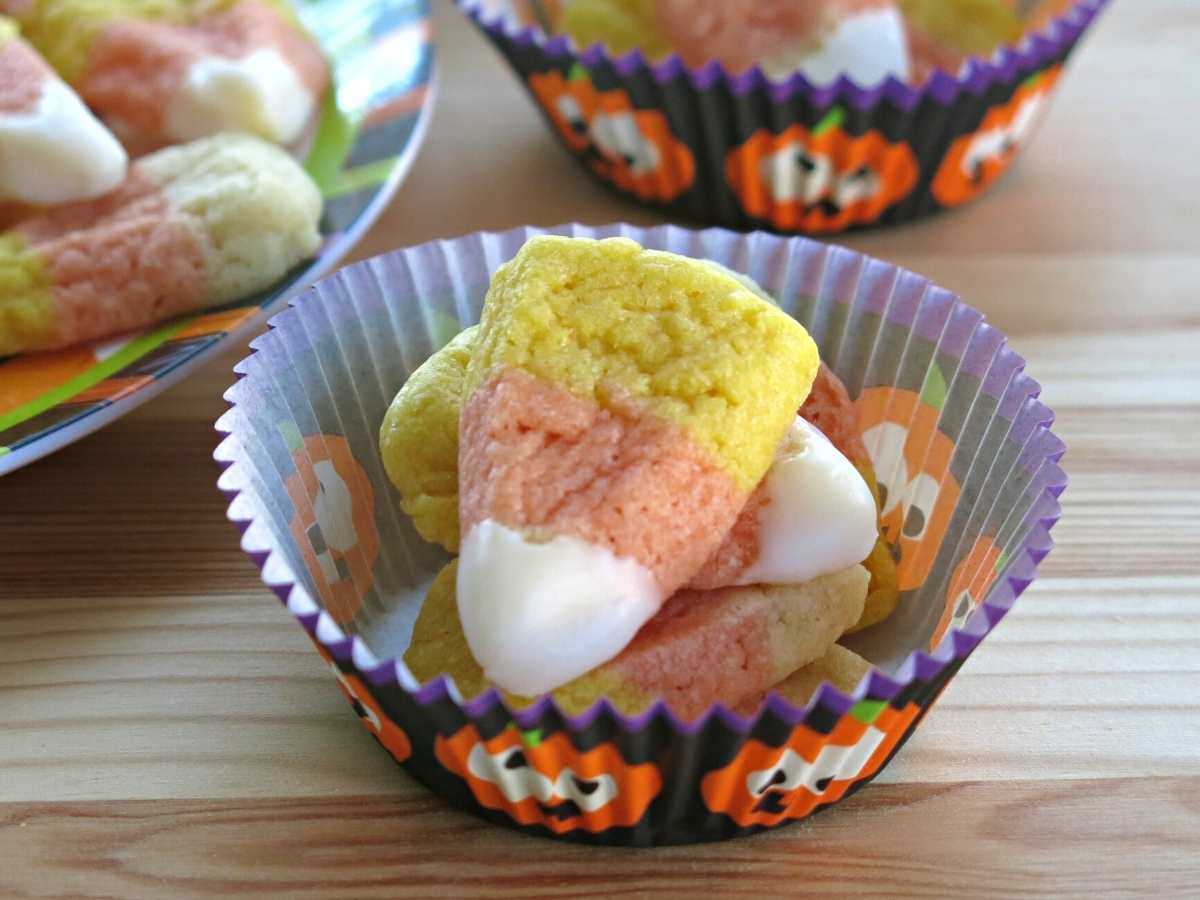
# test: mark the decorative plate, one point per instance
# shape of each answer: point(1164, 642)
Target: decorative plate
point(365, 142)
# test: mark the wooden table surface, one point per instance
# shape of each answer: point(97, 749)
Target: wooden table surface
point(166, 729)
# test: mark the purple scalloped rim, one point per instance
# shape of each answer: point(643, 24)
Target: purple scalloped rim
point(977, 75)
point(258, 543)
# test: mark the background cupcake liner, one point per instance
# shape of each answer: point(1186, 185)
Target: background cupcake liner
point(697, 137)
point(953, 412)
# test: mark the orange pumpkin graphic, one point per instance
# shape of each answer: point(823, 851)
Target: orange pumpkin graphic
point(387, 732)
point(765, 785)
point(975, 161)
point(632, 148)
point(912, 467)
point(334, 522)
point(969, 584)
point(820, 180)
point(546, 781)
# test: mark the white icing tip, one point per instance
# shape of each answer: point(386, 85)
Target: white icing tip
point(820, 515)
point(58, 151)
point(537, 615)
point(260, 94)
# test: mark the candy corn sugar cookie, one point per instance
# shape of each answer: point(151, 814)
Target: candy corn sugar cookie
point(620, 407)
point(190, 227)
point(814, 513)
point(701, 648)
point(169, 71)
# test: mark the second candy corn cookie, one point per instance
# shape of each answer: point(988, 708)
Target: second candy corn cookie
point(168, 71)
point(727, 646)
point(190, 227)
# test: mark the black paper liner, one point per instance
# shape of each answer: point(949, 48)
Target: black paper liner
point(693, 142)
point(302, 432)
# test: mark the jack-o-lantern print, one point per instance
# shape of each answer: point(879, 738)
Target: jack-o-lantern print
point(976, 160)
point(334, 521)
point(820, 180)
point(917, 492)
point(390, 735)
point(765, 785)
point(546, 781)
point(969, 584)
point(632, 148)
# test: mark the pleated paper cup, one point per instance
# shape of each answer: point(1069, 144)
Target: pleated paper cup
point(744, 152)
point(960, 443)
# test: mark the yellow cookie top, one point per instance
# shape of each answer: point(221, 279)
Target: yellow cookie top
point(419, 441)
point(675, 336)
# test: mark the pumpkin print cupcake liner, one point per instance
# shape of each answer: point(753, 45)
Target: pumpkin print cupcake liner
point(744, 152)
point(961, 446)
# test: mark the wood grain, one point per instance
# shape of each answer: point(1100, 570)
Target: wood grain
point(166, 730)
point(984, 839)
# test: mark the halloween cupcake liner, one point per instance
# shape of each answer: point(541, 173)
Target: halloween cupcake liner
point(745, 152)
point(960, 443)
